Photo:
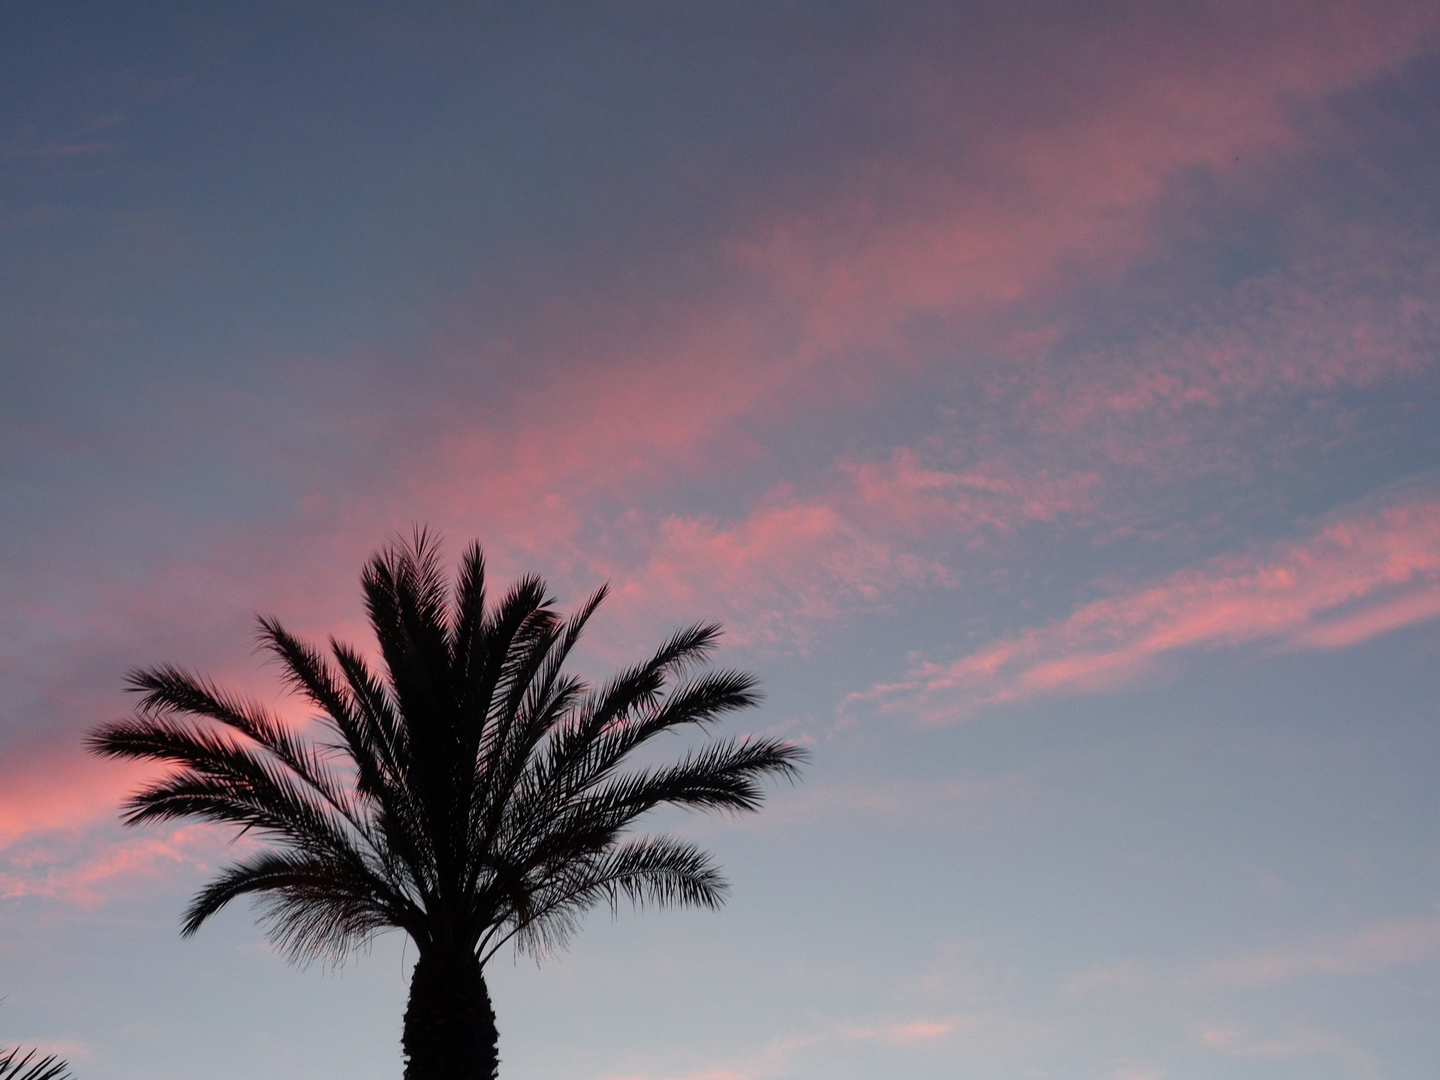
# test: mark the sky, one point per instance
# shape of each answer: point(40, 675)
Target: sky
point(1042, 395)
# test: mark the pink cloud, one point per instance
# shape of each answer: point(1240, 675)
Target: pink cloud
point(1363, 951)
point(1370, 572)
point(1397, 942)
point(1069, 167)
point(1240, 1043)
point(806, 309)
point(1208, 987)
point(801, 309)
point(777, 1056)
point(918, 1031)
point(69, 870)
point(905, 491)
point(875, 530)
point(71, 650)
point(798, 310)
point(58, 793)
point(771, 573)
point(1380, 618)
point(1354, 317)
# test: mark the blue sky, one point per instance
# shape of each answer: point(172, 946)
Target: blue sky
point(1043, 396)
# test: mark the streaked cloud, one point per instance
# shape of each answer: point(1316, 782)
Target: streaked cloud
point(1365, 950)
point(1031, 338)
point(57, 868)
point(869, 535)
point(1367, 571)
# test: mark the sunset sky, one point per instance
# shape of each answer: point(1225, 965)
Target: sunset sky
point(1043, 396)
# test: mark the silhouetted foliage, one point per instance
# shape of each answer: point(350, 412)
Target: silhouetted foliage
point(471, 791)
point(15, 1067)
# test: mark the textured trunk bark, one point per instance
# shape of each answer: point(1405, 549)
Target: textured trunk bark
point(449, 1024)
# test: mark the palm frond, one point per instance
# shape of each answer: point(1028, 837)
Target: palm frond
point(549, 696)
point(592, 750)
point(469, 789)
point(516, 637)
point(721, 776)
point(406, 602)
point(379, 735)
point(313, 906)
point(576, 756)
point(653, 871)
point(29, 1067)
point(467, 623)
point(169, 691)
point(224, 781)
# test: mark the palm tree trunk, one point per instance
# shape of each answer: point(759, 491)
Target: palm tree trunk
point(449, 1024)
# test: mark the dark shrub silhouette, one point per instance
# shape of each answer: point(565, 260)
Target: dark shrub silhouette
point(471, 792)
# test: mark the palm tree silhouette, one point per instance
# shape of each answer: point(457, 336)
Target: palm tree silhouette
point(471, 792)
point(15, 1067)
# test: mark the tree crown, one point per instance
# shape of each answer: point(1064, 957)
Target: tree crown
point(468, 789)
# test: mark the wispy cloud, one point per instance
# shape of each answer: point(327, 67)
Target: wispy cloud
point(57, 791)
point(66, 869)
point(796, 310)
point(1285, 1045)
point(780, 1056)
point(1359, 313)
point(1359, 951)
point(1072, 168)
point(777, 569)
point(1393, 943)
point(1365, 572)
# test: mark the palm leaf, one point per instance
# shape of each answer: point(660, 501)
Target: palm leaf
point(469, 790)
point(15, 1067)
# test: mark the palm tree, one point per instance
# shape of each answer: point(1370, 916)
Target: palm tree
point(15, 1067)
point(470, 791)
